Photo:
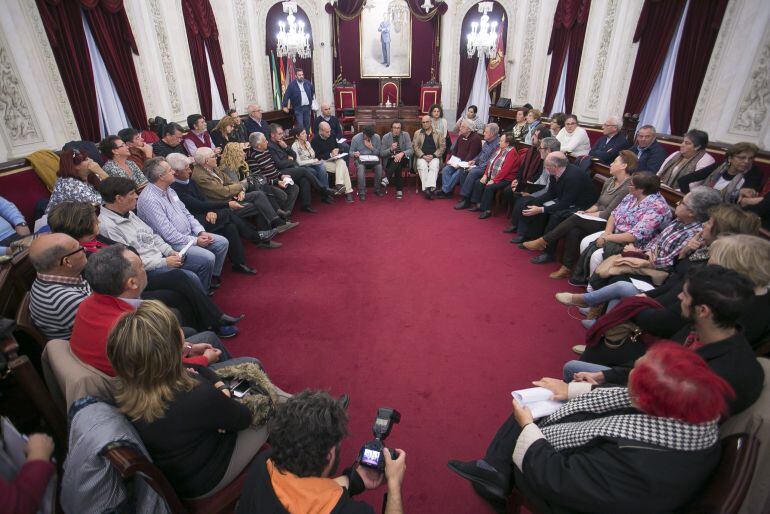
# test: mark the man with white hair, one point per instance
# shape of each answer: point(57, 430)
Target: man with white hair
point(279, 188)
point(218, 187)
point(428, 146)
point(165, 213)
point(255, 123)
point(606, 147)
point(466, 148)
point(334, 124)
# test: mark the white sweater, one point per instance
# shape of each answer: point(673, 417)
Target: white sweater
point(576, 143)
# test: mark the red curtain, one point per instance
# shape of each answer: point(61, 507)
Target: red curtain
point(347, 64)
point(654, 32)
point(64, 29)
point(276, 14)
point(203, 35)
point(567, 36)
point(701, 28)
point(115, 40)
point(468, 65)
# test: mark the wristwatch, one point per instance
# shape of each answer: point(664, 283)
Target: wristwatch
point(22, 224)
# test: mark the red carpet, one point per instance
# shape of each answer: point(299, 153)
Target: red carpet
point(412, 305)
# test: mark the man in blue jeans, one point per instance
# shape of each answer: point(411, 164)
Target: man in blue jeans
point(300, 94)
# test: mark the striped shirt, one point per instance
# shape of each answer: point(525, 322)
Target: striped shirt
point(165, 213)
point(665, 247)
point(54, 302)
point(262, 163)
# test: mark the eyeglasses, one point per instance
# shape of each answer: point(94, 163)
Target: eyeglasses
point(682, 202)
point(74, 252)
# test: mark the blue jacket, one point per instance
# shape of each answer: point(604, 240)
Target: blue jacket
point(252, 126)
point(606, 151)
point(651, 158)
point(294, 96)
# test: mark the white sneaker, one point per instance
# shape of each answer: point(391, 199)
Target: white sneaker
point(384, 182)
point(399, 195)
point(579, 349)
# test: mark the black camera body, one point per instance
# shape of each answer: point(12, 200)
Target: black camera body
point(370, 455)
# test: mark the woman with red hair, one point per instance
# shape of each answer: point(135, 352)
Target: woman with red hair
point(78, 178)
point(649, 447)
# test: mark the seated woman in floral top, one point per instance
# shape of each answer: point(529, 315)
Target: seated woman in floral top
point(78, 177)
point(118, 163)
point(640, 215)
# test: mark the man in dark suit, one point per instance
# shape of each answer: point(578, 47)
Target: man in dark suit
point(569, 190)
point(606, 147)
point(254, 122)
point(334, 124)
point(286, 160)
point(650, 153)
point(300, 94)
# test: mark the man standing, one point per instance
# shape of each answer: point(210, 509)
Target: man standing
point(384, 30)
point(255, 123)
point(466, 148)
point(299, 93)
point(428, 146)
point(606, 147)
point(367, 143)
point(171, 142)
point(478, 165)
point(118, 222)
point(198, 136)
point(397, 149)
point(334, 125)
point(12, 225)
point(325, 148)
point(568, 191)
point(650, 153)
point(286, 160)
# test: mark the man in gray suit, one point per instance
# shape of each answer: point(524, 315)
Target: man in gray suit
point(384, 30)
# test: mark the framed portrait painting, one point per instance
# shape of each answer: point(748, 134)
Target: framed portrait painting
point(385, 34)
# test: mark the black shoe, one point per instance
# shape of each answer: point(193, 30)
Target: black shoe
point(283, 214)
point(426, 194)
point(576, 282)
point(380, 193)
point(440, 194)
point(475, 208)
point(543, 258)
point(518, 239)
point(210, 293)
point(286, 226)
point(226, 319)
point(267, 235)
point(309, 209)
point(462, 204)
point(484, 215)
point(329, 191)
point(510, 229)
point(491, 482)
point(242, 268)
point(269, 244)
point(215, 285)
point(344, 400)
point(362, 196)
point(338, 190)
point(327, 199)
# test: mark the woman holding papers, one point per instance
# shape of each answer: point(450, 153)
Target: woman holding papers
point(306, 157)
point(649, 447)
point(593, 219)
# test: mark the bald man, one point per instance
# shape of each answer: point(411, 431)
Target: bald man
point(428, 146)
point(334, 124)
point(325, 147)
point(254, 122)
point(59, 288)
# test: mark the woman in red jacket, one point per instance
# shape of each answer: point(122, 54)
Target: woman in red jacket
point(499, 175)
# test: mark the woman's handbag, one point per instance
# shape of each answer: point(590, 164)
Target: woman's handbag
point(617, 336)
point(582, 272)
point(260, 397)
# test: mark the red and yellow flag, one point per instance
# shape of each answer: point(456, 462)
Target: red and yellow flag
point(496, 65)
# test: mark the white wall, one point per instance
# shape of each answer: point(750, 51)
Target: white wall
point(35, 113)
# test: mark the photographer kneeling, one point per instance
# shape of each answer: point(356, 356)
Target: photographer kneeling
point(294, 475)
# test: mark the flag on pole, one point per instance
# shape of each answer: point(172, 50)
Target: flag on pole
point(277, 97)
point(283, 77)
point(496, 66)
point(290, 73)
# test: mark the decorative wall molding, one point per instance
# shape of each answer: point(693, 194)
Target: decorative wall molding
point(725, 35)
point(601, 55)
point(18, 121)
point(49, 62)
point(161, 36)
point(752, 111)
point(244, 51)
point(528, 51)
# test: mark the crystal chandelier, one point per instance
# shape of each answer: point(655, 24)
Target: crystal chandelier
point(398, 14)
point(482, 40)
point(292, 40)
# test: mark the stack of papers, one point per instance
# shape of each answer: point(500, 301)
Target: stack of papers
point(368, 158)
point(589, 217)
point(455, 161)
point(338, 156)
point(539, 401)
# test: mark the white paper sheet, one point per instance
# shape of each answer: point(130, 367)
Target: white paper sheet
point(368, 158)
point(341, 140)
point(183, 251)
point(455, 161)
point(589, 217)
point(338, 156)
point(641, 285)
point(538, 399)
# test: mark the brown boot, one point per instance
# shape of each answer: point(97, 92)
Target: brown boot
point(538, 244)
point(562, 273)
point(595, 312)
